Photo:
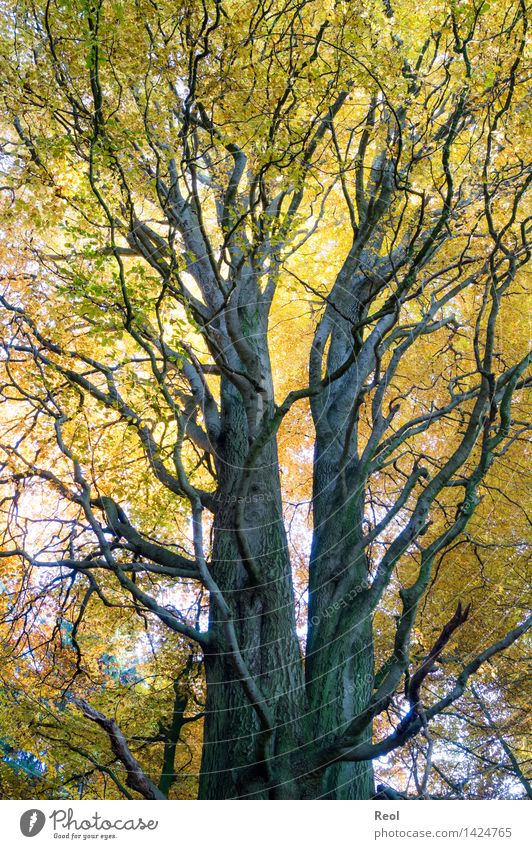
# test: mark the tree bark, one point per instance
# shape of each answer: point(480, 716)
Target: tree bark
point(239, 761)
point(339, 662)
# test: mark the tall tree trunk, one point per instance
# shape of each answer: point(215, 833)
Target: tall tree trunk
point(339, 664)
point(265, 625)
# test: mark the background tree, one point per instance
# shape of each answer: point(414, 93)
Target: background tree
point(251, 239)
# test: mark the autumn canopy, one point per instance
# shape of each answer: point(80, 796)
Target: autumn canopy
point(263, 369)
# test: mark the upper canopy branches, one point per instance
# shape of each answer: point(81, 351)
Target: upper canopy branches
point(211, 145)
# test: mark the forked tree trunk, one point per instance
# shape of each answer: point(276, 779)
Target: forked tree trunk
point(339, 666)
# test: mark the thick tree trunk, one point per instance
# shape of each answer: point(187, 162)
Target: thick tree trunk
point(339, 661)
point(265, 624)
point(340, 673)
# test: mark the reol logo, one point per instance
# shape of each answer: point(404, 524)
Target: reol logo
point(32, 822)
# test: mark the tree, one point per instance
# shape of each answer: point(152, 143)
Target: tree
point(177, 174)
